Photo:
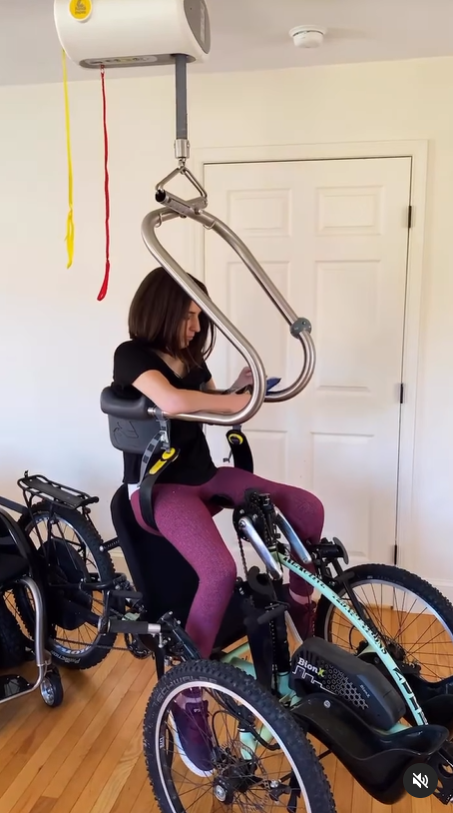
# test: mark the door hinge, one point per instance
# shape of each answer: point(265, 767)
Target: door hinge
point(401, 393)
point(409, 217)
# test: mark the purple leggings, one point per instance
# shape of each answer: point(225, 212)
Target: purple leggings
point(184, 517)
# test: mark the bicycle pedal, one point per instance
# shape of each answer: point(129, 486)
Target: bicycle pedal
point(132, 595)
point(330, 549)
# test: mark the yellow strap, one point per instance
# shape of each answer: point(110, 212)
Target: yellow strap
point(70, 221)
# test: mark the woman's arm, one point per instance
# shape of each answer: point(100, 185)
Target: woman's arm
point(243, 380)
point(174, 401)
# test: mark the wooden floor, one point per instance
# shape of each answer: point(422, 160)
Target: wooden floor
point(86, 756)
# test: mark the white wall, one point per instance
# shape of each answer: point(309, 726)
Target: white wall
point(57, 341)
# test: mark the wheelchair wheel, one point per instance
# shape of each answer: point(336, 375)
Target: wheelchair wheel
point(69, 548)
point(234, 770)
point(413, 618)
point(52, 691)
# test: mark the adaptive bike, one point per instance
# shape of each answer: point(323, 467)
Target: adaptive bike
point(372, 703)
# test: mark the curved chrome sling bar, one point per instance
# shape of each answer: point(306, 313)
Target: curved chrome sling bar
point(231, 332)
point(174, 206)
point(300, 328)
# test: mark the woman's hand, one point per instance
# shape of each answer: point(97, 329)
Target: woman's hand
point(244, 379)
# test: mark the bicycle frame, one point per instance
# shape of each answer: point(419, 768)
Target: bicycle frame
point(247, 739)
point(373, 640)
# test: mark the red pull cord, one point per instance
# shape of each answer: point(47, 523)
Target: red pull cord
point(105, 283)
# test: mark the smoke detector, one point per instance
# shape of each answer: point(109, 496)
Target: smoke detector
point(307, 36)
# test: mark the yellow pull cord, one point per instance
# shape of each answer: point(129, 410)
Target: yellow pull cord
point(70, 221)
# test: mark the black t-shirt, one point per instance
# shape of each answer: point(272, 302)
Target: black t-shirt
point(194, 465)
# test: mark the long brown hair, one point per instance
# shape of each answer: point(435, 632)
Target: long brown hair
point(157, 310)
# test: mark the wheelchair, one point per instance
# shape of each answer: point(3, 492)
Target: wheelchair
point(372, 707)
point(19, 574)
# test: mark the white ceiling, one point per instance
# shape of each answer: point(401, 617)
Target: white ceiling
point(250, 35)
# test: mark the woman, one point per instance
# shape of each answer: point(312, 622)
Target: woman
point(165, 359)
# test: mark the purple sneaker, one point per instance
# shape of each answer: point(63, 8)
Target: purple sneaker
point(192, 734)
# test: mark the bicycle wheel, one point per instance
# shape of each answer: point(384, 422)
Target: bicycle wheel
point(281, 773)
point(69, 547)
point(413, 618)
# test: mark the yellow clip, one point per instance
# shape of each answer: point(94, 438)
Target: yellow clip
point(160, 463)
point(233, 436)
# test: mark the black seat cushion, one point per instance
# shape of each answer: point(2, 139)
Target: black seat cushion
point(166, 580)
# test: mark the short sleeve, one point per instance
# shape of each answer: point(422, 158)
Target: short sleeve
point(205, 372)
point(131, 360)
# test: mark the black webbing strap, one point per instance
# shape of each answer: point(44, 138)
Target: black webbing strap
point(164, 459)
point(240, 449)
point(159, 441)
point(156, 457)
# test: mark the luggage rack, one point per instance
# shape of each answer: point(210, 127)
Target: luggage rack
point(36, 485)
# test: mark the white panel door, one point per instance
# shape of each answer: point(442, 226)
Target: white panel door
point(333, 236)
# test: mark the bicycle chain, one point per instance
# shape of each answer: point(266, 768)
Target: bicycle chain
point(254, 500)
point(261, 519)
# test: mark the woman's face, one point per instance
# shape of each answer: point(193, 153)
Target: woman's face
point(190, 325)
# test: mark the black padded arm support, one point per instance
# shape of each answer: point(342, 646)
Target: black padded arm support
point(133, 409)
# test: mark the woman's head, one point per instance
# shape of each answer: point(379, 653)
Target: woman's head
point(164, 315)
